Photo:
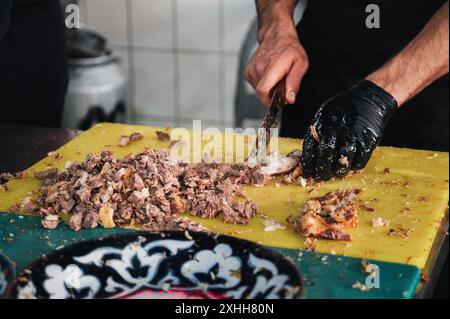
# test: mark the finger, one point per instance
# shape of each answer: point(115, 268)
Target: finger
point(251, 76)
point(325, 156)
point(293, 81)
point(362, 156)
point(274, 73)
point(344, 158)
point(309, 155)
point(260, 69)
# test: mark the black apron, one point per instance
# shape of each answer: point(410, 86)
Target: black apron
point(33, 68)
point(342, 51)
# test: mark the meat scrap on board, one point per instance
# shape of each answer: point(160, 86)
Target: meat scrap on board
point(329, 217)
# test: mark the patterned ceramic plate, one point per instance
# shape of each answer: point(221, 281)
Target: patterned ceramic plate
point(6, 274)
point(169, 265)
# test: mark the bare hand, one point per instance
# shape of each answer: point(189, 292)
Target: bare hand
point(279, 55)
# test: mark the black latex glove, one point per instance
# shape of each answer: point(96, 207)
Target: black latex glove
point(346, 130)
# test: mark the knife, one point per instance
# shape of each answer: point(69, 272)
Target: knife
point(272, 117)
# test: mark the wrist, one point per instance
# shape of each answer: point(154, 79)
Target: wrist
point(389, 83)
point(281, 25)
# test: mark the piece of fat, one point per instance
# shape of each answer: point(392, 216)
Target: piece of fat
point(281, 165)
point(271, 225)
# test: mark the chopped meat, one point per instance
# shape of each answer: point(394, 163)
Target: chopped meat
point(149, 189)
point(127, 140)
point(137, 136)
point(314, 133)
point(280, 165)
point(76, 221)
point(424, 198)
point(368, 208)
point(343, 160)
point(298, 172)
point(380, 222)
point(163, 136)
point(90, 220)
point(50, 221)
point(401, 232)
point(6, 176)
point(359, 286)
point(3, 188)
point(11, 176)
point(124, 141)
point(310, 243)
point(175, 224)
point(49, 173)
point(56, 156)
point(328, 217)
point(296, 178)
point(27, 205)
point(67, 205)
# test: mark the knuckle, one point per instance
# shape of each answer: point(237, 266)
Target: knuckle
point(260, 90)
point(260, 66)
point(305, 65)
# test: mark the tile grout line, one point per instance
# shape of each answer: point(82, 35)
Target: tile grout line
point(181, 119)
point(199, 52)
point(131, 59)
point(222, 66)
point(83, 6)
point(176, 63)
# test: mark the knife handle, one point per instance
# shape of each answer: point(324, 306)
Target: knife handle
point(278, 91)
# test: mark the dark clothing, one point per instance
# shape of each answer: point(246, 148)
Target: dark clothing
point(33, 67)
point(5, 11)
point(342, 51)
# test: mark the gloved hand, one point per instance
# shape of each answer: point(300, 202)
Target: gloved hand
point(346, 130)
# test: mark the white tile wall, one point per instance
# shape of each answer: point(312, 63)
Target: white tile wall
point(152, 23)
point(109, 18)
point(153, 84)
point(238, 16)
point(181, 56)
point(231, 79)
point(199, 86)
point(153, 121)
point(198, 24)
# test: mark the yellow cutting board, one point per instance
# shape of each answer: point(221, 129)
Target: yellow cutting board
point(418, 180)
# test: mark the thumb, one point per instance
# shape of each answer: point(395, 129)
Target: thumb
point(293, 81)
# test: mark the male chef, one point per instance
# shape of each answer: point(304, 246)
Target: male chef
point(378, 69)
point(33, 69)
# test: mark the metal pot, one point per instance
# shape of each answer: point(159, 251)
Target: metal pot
point(97, 89)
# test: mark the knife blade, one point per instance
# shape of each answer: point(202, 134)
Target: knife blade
point(272, 117)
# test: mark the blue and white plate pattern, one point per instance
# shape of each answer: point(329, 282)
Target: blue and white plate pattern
point(169, 265)
point(7, 274)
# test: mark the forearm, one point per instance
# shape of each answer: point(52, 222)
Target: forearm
point(275, 16)
point(424, 60)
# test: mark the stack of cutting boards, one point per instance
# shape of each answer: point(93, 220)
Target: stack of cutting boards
point(409, 188)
